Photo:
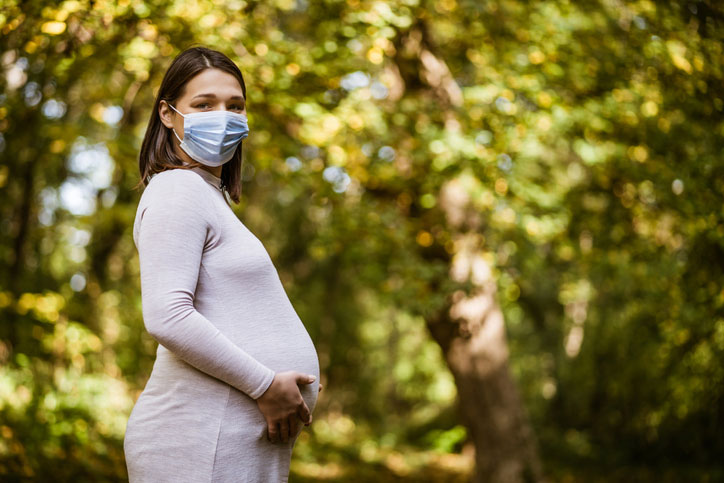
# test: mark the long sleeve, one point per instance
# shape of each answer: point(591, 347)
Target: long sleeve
point(171, 237)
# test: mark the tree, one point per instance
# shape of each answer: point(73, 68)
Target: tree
point(537, 185)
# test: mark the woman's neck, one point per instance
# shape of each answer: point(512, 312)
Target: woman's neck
point(215, 170)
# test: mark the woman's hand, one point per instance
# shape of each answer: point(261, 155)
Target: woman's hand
point(310, 416)
point(282, 402)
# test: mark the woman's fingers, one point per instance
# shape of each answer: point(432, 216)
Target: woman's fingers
point(293, 425)
point(272, 432)
point(284, 430)
point(303, 412)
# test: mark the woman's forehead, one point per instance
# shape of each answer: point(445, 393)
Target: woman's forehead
point(213, 82)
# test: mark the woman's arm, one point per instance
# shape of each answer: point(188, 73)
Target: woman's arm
point(170, 242)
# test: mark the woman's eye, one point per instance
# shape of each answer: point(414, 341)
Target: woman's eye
point(240, 108)
point(202, 105)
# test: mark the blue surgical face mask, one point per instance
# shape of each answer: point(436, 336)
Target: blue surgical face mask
point(211, 137)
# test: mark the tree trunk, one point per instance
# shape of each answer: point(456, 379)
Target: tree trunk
point(471, 332)
point(472, 336)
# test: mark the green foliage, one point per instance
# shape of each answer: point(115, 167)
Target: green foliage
point(583, 138)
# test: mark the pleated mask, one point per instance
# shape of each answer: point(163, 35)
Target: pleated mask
point(211, 137)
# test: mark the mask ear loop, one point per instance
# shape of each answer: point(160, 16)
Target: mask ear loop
point(174, 130)
point(174, 133)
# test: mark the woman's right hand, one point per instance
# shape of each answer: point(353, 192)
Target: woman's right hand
point(282, 402)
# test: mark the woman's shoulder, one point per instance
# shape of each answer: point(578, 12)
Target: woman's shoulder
point(174, 179)
point(173, 193)
point(181, 184)
point(175, 189)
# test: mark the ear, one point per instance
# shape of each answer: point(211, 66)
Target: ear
point(166, 114)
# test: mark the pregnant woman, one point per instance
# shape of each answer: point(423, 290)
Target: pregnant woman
point(236, 374)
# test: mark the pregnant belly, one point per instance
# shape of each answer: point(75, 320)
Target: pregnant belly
point(294, 354)
point(176, 391)
point(281, 342)
point(275, 337)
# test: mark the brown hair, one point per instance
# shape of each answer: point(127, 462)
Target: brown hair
point(157, 152)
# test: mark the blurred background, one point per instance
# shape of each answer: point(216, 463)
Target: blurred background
point(501, 222)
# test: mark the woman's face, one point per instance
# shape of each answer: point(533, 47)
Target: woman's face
point(210, 90)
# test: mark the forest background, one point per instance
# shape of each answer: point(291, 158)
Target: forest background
point(501, 222)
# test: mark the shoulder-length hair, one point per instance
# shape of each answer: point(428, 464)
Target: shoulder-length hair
point(157, 151)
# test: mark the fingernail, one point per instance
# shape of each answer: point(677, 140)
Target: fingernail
point(312, 378)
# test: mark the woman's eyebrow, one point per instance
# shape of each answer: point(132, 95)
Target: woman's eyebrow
point(233, 98)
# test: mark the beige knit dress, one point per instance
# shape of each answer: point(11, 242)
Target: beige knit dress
point(213, 300)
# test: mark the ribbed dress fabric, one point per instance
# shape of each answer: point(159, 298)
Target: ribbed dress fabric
point(212, 299)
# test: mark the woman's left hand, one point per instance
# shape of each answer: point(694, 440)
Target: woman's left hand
point(310, 416)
